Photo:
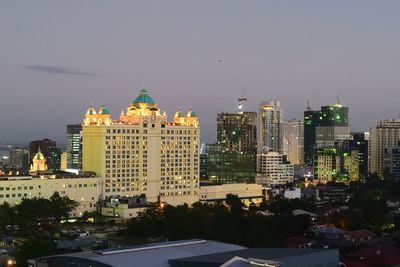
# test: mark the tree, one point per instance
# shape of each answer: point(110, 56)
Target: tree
point(61, 207)
point(7, 215)
point(234, 203)
point(34, 248)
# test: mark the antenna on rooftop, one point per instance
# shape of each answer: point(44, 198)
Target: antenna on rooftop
point(241, 99)
point(338, 101)
point(308, 105)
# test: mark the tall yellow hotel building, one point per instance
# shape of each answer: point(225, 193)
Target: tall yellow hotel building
point(144, 153)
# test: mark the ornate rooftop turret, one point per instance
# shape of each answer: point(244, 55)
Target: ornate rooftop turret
point(144, 98)
point(191, 118)
point(38, 163)
point(91, 111)
point(104, 116)
point(104, 110)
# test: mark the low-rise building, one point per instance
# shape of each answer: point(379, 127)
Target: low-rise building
point(85, 189)
point(193, 253)
point(123, 208)
point(248, 193)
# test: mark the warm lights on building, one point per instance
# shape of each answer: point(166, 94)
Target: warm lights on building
point(142, 152)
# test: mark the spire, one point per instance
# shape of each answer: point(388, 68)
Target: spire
point(338, 101)
point(308, 105)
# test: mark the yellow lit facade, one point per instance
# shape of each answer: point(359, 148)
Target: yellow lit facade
point(144, 153)
point(84, 190)
point(38, 163)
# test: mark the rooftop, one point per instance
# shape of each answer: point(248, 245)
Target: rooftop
point(155, 254)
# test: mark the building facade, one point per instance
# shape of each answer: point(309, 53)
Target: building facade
point(322, 128)
point(360, 142)
point(144, 153)
point(339, 163)
point(273, 169)
point(74, 146)
point(86, 190)
point(386, 134)
point(293, 141)
point(248, 193)
point(392, 158)
point(224, 166)
point(237, 132)
point(271, 126)
point(19, 158)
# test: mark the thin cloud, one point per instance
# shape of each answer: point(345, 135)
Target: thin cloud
point(57, 70)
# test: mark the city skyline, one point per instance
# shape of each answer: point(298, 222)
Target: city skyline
point(55, 61)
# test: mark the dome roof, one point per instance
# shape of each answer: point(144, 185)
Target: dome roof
point(179, 113)
point(103, 110)
point(144, 98)
point(91, 111)
point(39, 155)
point(191, 114)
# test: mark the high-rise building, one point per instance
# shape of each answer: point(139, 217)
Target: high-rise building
point(338, 163)
point(360, 142)
point(50, 151)
point(143, 152)
point(311, 118)
point(229, 167)
point(392, 160)
point(273, 169)
point(271, 126)
point(333, 125)
point(323, 128)
point(237, 132)
point(19, 158)
point(386, 134)
point(74, 146)
point(293, 141)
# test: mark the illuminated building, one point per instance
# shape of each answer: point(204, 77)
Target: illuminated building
point(144, 153)
point(50, 151)
point(273, 169)
point(84, 189)
point(323, 128)
point(228, 167)
point(74, 146)
point(271, 126)
point(248, 193)
point(237, 132)
point(64, 161)
point(386, 134)
point(339, 163)
point(293, 144)
point(38, 163)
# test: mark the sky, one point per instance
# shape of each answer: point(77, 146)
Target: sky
point(58, 57)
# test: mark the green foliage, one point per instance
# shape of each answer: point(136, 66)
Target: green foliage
point(34, 248)
point(7, 215)
point(284, 206)
point(216, 222)
point(368, 208)
point(34, 210)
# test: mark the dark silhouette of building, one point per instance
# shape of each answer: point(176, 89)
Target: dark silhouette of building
point(360, 143)
point(74, 146)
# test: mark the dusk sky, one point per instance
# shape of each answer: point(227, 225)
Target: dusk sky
point(58, 57)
